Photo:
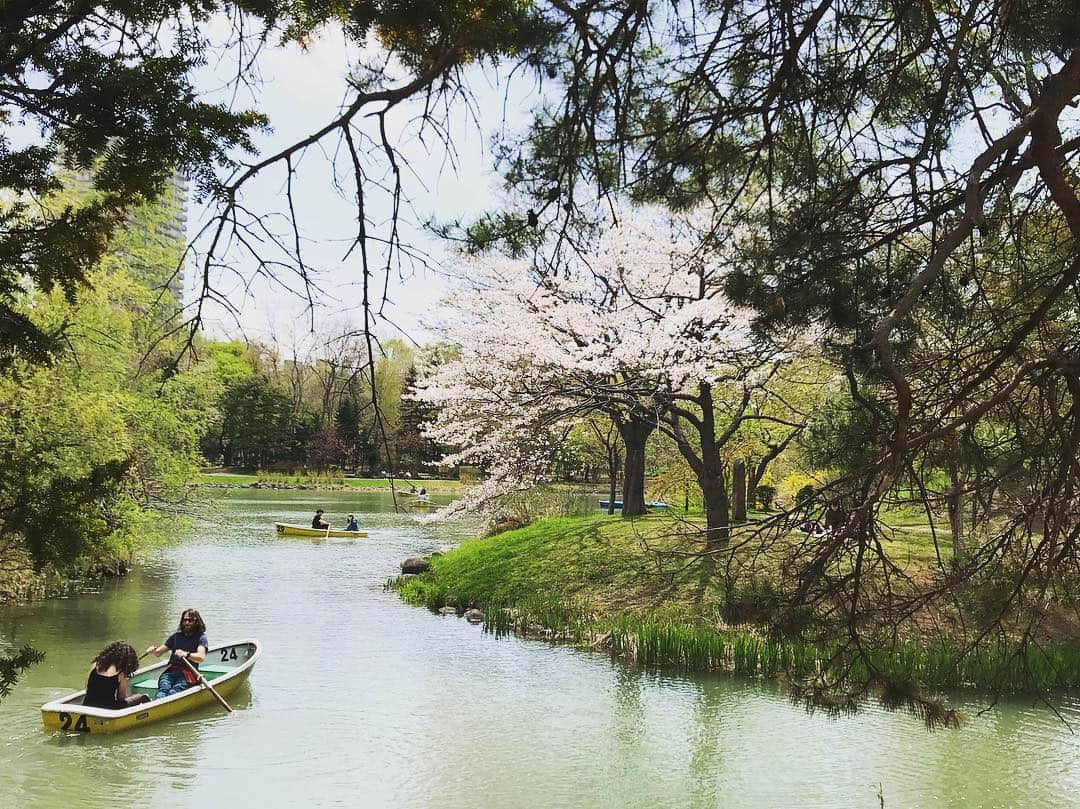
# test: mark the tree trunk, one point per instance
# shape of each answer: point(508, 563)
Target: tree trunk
point(955, 502)
point(752, 482)
point(613, 475)
point(717, 508)
point(956, 518)
point(738, 491)
point(635, 433)
point(708, 466)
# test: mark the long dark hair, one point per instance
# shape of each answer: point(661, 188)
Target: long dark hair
point(118, 654)
point(200, 625)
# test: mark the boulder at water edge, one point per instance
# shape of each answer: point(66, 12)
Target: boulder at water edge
point(415, 565)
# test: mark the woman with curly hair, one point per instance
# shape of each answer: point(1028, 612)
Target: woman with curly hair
point(189, 643)
point(107, 683)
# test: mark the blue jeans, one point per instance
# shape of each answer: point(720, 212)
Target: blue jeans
point(170, 682)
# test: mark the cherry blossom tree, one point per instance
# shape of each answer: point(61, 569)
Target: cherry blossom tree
point(636, 327)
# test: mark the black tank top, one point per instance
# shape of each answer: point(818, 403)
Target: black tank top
point(101, 691)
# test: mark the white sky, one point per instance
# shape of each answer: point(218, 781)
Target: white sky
point(301, 92)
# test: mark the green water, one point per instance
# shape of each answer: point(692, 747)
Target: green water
point(360, 700)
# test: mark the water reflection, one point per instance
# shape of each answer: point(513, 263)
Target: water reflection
point(360, 700)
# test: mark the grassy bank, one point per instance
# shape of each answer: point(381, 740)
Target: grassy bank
point(436, 486)
point(633, 588)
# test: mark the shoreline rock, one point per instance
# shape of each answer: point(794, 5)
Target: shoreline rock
point(415, 565)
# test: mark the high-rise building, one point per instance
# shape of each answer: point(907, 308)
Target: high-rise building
point(163, 222)
point(174, 226)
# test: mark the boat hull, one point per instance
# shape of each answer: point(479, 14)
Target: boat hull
point(290, 530)
point(221, 668)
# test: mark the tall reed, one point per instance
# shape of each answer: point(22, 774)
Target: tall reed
point(652, 642)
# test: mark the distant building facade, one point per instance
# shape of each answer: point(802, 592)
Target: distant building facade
point(166, 222)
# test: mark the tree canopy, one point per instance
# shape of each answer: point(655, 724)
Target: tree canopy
point(902, 177)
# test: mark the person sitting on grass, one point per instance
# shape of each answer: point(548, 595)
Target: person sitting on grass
point(107, 683)
point(835, 517)
point(351, 524)
point(188, 643)
point(318, 521)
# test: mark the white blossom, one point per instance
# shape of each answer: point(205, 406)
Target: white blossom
point(640, 315)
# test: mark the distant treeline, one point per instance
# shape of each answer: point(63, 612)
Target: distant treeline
point(317, 410)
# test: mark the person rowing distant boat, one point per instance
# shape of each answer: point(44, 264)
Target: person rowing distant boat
point(423, 495)
point(318, 521)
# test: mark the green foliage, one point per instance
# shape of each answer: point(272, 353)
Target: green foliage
point(122, 109)
point(257, 422)
point(108, 429)
point(587, 580)
point(273, 413)
point(765, 494)
point(11, 666)
point(419, 31)
point(62, 518)
point(512, 233)
point(841, 436)
point(231, 362)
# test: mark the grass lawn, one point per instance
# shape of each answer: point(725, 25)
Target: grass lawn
point(377, 484)
point(638, 584)
point(611, 564)
point(219, 478)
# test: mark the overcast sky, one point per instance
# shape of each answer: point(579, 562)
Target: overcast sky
point(300, 92)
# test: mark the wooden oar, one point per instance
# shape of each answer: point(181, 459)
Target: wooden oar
point(203, 680)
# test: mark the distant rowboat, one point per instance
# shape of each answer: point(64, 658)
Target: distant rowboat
point(404, 494)
point(289, 529)
point(422, 503)
point(226, 666)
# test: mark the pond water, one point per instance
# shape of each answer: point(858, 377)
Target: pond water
point(361, 700)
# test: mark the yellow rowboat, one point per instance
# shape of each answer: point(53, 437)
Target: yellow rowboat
point(226, 666)
point(288, 529)
point(400, 493)
point(422, 504)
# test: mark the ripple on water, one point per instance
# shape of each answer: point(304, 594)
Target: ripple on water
point(362, 700)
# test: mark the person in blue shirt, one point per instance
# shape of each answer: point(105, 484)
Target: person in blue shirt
point(351, 524)
point(188, 642)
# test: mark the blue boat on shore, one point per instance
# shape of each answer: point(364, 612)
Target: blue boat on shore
point(657, 504)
